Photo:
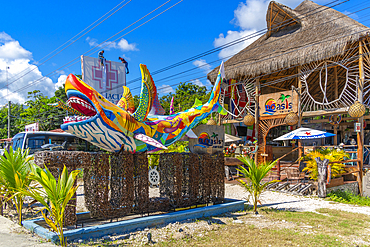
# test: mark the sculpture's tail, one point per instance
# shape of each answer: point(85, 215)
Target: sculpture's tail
point(216, 92)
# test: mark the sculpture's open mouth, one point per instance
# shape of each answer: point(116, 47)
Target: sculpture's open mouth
point(82, 106)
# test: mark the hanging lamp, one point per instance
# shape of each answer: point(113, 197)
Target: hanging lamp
point(357, 110)
point(248, 120)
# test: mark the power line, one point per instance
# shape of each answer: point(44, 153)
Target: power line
point(273, 72)
point(236, 41)
point(249, 36)
point(311, 44)
point(65, 65)
point(71, 39)
point(153, 18)
point(349, 59)
point(152, 73)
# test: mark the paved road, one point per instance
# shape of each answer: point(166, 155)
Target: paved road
point(13, 235)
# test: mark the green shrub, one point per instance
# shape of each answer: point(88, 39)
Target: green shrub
point(325, 153)
point(178, 147)
point(347, 197)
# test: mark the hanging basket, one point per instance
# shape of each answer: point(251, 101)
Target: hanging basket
point(357, 110)
point(248, 120)
point(291, 119)
point(211, 121)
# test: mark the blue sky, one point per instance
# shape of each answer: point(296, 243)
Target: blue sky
point(30, 30)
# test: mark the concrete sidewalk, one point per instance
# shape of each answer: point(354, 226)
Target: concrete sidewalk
point(12, 234)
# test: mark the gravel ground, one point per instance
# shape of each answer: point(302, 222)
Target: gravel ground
point(293, 202)
point(11, 233)
point(268, 198)
point(200, 228)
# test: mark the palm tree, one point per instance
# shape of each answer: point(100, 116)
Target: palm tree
point(255, 174)
point(284, 97)
point(54, 196)
point(325, 153)
point(14, 177)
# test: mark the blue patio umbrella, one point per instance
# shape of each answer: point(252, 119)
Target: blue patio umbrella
point(304, 133)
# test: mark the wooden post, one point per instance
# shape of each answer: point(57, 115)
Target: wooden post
point(335, 97)
point(300, 153)
point(278, 169)
point(256, 118)
point(322, 167)
point(360, 135)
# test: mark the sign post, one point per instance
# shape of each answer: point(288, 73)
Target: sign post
point(357, 127)
point(107, 80)
point(211, 139)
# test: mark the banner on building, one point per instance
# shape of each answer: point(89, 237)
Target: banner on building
point(32, 127)
point(107, 80)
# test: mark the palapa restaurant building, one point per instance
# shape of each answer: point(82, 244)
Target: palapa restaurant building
point(310, 69)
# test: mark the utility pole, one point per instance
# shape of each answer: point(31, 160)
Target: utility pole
point(9, 119)
point(9, 106)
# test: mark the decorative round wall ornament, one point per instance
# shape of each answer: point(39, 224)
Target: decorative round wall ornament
point(153, 176)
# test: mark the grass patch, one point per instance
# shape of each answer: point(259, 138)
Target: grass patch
point(347, 197)
point(326, 228)
point(236, 235)
point(328, 221)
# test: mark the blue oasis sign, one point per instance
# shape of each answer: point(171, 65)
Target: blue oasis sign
point(278, 103)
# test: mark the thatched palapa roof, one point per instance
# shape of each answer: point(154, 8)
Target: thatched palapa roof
point(308, 33)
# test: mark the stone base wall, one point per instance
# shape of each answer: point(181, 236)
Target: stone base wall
point(350, 187)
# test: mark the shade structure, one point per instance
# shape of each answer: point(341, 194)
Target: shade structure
point(230, 138)
point(304, 133)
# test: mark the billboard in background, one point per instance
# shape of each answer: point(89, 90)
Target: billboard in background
point(32, 127)
point(107, 80)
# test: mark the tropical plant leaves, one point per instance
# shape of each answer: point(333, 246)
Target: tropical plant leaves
point(255, 174)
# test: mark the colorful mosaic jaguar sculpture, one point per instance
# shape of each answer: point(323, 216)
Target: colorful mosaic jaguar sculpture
point(121, 127)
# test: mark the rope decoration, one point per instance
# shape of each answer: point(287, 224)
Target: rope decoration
point(318, 90)
point(335, 123)
point(238, 91)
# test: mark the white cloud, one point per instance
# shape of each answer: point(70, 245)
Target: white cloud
point(201, 84)
point(202, 64)
point(251, 14)
point(61, 81)
point(165, 89)
point(4, 37)
point(353, 16)
point(21, 72)
point(122, 45)
point(125, 46)
point(197, 82)
point(249, 17)
point(11, 50)
point(231, 36)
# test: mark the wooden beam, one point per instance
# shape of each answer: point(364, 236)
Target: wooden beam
point(273, 117)
point(327, 119)
point(322, 112)
point(256, 118)
point(274, 77)
point(335, 97)
point(360, 135)
point(280, 88)
point(277, 13)
point(300, 151)
point(231, 121)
